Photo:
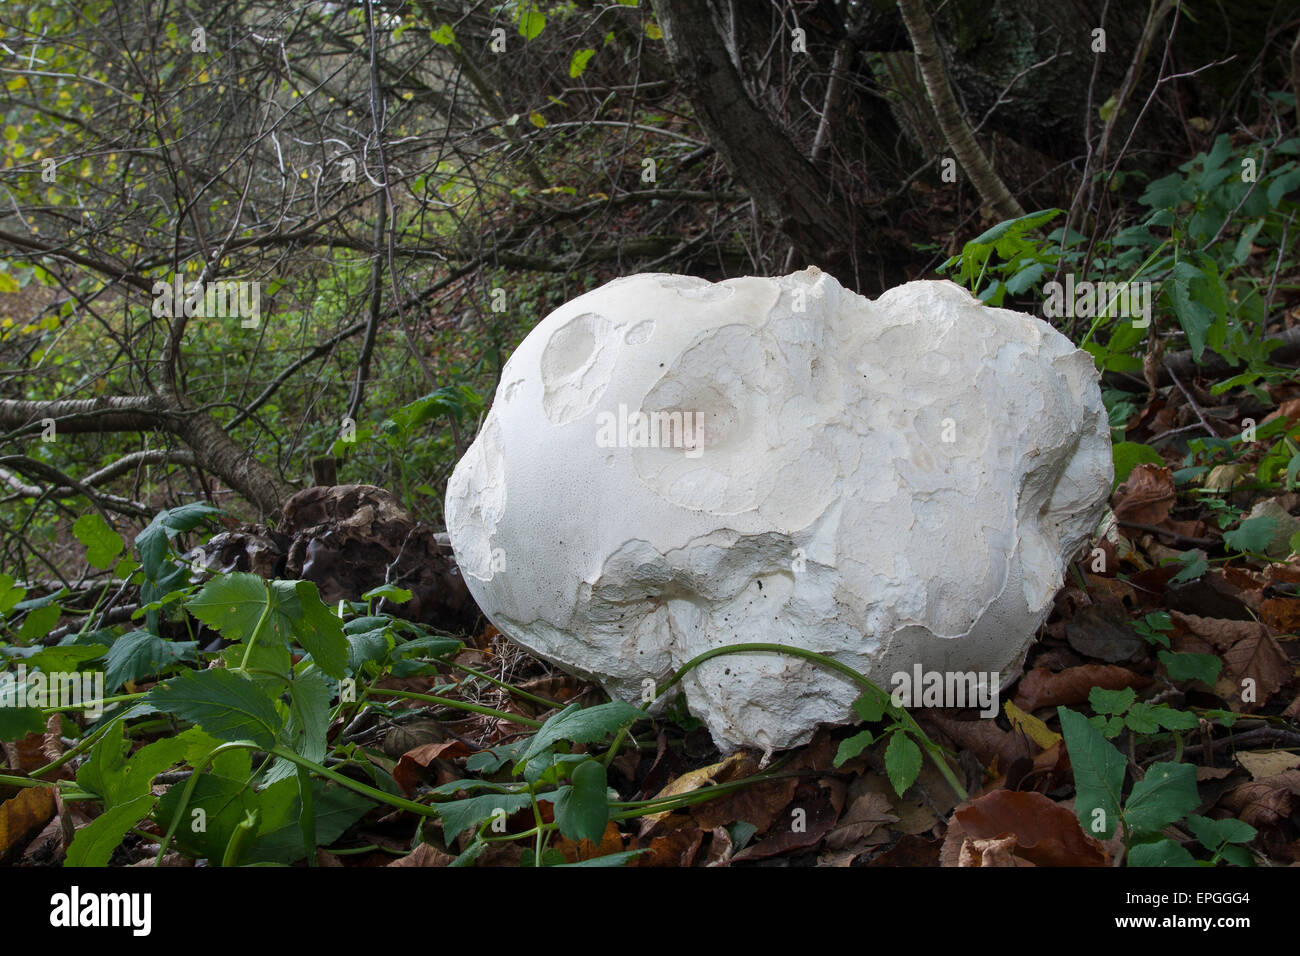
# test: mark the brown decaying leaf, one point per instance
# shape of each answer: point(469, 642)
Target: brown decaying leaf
point(1280, 613)
point(1146, 497)
point(1249, 652)
point(996, 851)
point(424, 855)
point(410, 768)
point(1044, 833)
point(800, 832)
point(1267, 763)
point(863, 818)
point(910, 851)
point(995, 747)
point(1264, 803)
point(1103, 631)
point(1042, 688)
point(611, 841)
point(677, 848)
point(22, 817)
point(761, 804)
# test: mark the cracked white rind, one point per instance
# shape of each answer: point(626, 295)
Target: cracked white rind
point(888, 482)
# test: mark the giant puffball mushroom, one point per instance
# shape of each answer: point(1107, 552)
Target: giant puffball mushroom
point(672, 465)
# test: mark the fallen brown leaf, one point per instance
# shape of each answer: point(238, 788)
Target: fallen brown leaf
point(1070, 687)
point(1044, 832)
point(1146, 497)
point(413, 764)
point(424, 855)
point(23, 816)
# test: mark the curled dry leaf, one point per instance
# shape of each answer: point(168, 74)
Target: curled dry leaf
point(992, 851)
point(424, 855)
point(1264, 803)
point(1043, 832)
point(1146, 497)
point(413, 765)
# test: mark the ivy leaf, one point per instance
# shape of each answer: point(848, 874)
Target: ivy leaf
point(224, 704)
point(1105, 701)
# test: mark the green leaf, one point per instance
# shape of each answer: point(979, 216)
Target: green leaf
point(231, 604)
point(1160, 853)
point(1252, 535)
point(582, 811)
point(850, 747)
point(318, 630)
point(1165, 795)
point(142, 654)
point(336, 809)
point(103, 544)
point(1185, 667)
point(902, 762)
point(609, 859)
point(1212, 834)
point(578, 65)
point(444, 35)
point(1171, 719)
point(309, 714)
point(94, 843)
point(1105, 701)
point(459, 815)
point(17, 722)
point(223, 803)
point(1129, 454)
point(531, 22)
point(582, 726)
point(226, 705)
point(39, 622)
point(9, 595)
point(390, 592)
point(871, 706)
point(1098, 773)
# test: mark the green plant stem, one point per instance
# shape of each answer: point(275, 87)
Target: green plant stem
point(119, 698)
point(257, 631)
point(460, 705)
point(901, 715)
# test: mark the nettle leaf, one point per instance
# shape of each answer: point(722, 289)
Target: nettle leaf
point(225, 705)
point(582, 810)
point(582, 726)
point(1165, 795)
point(1185, 667)
point(902, 762)
point(1098, 773)
point(103, 544)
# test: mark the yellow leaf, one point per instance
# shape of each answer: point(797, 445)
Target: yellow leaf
point(1033, 728)
point(537, 119)
point(704, 777)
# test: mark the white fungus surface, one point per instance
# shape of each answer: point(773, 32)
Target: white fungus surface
point(890, 482)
